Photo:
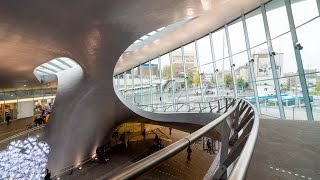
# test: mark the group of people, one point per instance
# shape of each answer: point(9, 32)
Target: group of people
point(39, 121)
point(102, 152)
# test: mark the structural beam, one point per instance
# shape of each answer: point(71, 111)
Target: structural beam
point(55, 65)
point(63, 62)
point(297, 48)
point(251, 63)
point(273, 62)
point(214, 65)
point(231, 63)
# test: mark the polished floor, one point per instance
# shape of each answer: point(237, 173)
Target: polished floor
point(14, 127)
point(286, 150)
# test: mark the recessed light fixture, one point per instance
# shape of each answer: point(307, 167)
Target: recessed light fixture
point(25, 85)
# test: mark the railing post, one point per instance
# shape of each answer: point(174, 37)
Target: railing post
point(226, 105)
point(224, 130)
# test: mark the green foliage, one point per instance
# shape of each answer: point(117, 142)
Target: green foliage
point(228, 80)
point(318, 87)
point(242, 84)
point(196, 79)
point(166, 71)
point(189, 79)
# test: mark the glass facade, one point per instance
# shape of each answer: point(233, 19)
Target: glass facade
point(11, 101)
point(259, 49)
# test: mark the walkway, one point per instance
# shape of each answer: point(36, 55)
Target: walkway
point(174, 168)
point(14, 127)
point(286, 150)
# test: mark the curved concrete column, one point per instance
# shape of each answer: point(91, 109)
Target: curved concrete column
point(94, 33)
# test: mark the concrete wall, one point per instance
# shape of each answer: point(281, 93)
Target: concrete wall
point(25, 109)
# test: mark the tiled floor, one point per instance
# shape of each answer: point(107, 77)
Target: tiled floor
point(14, 127)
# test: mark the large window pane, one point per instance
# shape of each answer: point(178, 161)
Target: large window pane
point(156, 84)
point(220, 44)
point(178, 76)
point(285, 57)
point(208, 82)
point(255, 28)
point(262, 66)
point(129, 85)
point(193, 76)
point(277, 18)
point(309, 39)
point(243, 78)
point(145, 74)
point(267, 98)
point(167, 84)
point(136, 85)
point(224, 76)
point(204, 50)
point(303, 10)
point(121, 84)
point(115, 81)
point(236, 34)
point(292, 98)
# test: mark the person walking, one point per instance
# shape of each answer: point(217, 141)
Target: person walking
point(209, 146)
point(189, 151)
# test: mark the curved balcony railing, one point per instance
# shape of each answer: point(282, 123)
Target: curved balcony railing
point(190, 106)
point(238, 127)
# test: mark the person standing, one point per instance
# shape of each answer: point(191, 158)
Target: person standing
point(48, 175)
point(144, 134)
point(170, 129)
point(8, 118)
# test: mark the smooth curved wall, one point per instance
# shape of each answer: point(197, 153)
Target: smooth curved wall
point(94, 33)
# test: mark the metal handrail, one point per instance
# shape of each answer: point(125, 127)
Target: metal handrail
point(155, 159)
point(241, 166)
point(166, 106)
point(241, 161)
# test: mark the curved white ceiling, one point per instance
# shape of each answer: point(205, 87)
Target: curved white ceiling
point(220, 12)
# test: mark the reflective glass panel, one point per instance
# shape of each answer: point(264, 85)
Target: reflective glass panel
point(220, 44)
point(255, 28)
point(303, 10)
point(309, 38)
point(193, 76)
point(236, 34)
point(277, 18)
point(204, 50)
point(285, 57)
